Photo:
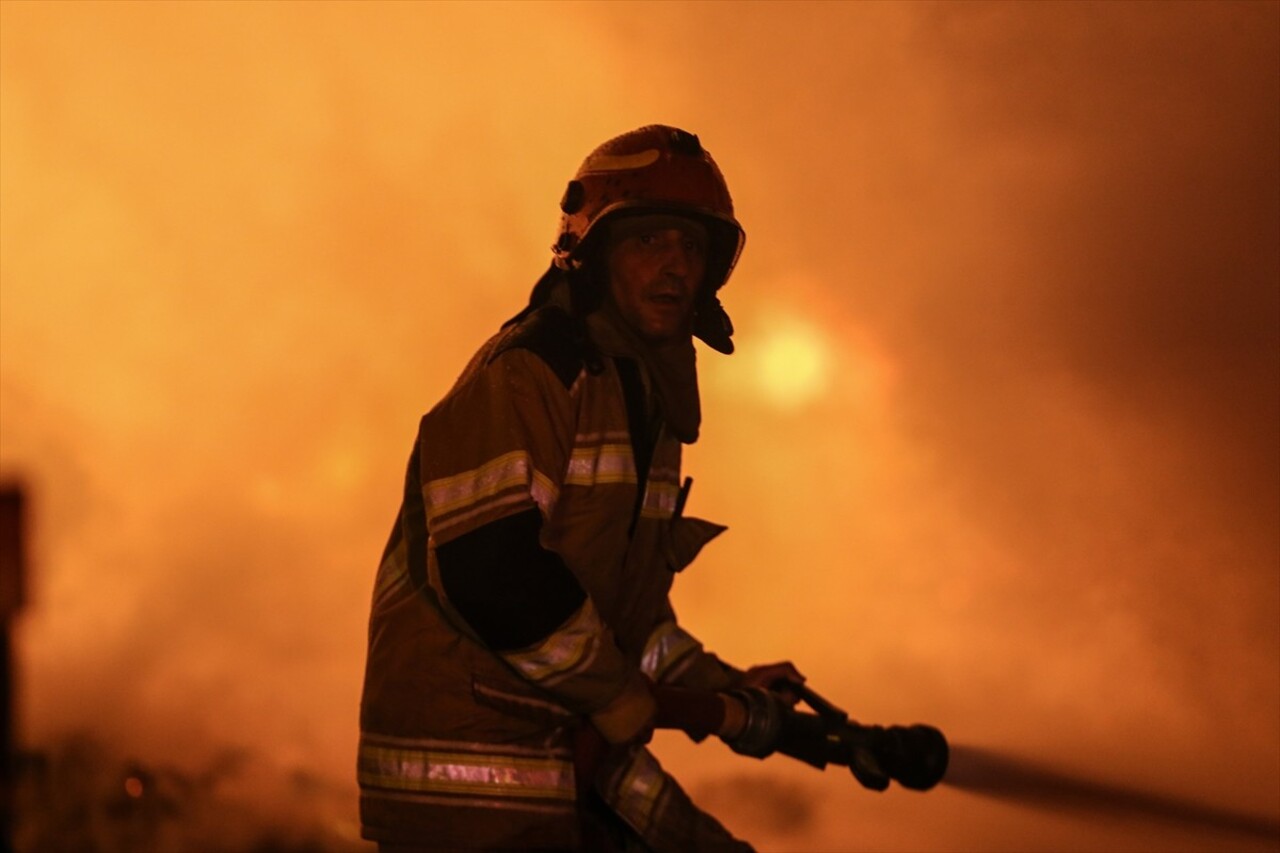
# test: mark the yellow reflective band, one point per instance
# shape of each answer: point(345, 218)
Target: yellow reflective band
point(417, 770)
point(621, 162)
point(668, 645)
point(660, 500)
point(448, 494)
point(604, 463)
point(569, 649)
point(636, 794)
point(392, 575)
point(662, 493)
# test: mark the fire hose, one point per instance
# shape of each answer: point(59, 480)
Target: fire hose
point(913, 756)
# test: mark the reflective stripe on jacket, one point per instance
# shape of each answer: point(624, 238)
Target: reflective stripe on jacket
point(465, 745)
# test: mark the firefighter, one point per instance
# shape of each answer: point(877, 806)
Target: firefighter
point(520, 615)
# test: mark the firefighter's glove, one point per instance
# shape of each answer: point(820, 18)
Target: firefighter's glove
point(629, 717)
point(765, 713)
point(782, 678)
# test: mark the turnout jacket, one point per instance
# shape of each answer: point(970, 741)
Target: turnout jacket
point(525, 581)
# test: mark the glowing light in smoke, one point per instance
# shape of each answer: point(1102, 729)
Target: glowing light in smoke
point(793, 364)
point(955, 402)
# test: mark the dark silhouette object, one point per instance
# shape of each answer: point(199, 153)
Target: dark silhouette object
point(12, 596)
point(913, 756)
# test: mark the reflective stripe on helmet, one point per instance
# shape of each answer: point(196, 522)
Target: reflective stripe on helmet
point(655, 169)
point(614, 163)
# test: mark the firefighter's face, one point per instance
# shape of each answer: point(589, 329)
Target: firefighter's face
point(656, 265)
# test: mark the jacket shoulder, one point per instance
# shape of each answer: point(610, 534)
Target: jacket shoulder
point(549, 334)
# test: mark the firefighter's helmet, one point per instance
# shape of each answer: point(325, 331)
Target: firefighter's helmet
point(655, 169)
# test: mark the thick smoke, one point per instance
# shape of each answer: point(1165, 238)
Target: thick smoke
point(1033, 247)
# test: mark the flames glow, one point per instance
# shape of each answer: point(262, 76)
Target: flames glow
point(997, 449)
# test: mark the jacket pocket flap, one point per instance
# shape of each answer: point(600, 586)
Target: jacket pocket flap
point(685, 538)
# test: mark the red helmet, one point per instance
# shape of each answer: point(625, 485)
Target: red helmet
point(656, 169)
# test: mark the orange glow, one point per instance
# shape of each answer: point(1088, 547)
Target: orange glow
point(793, 365)
point(997, 449)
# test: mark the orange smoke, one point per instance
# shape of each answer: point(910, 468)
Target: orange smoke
point(997, 449)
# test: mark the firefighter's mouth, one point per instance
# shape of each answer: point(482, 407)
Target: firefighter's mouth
point(667, 298)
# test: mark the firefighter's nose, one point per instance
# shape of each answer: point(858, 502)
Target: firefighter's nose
point(678, 258)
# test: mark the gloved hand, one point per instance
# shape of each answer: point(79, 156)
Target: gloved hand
point(779, 677)
point(629, 717)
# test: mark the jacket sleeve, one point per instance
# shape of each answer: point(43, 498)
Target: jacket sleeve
point(674, 656)
point(671, 654)
point(493, 459)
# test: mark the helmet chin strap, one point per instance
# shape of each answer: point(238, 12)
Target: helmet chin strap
point(712, 326)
